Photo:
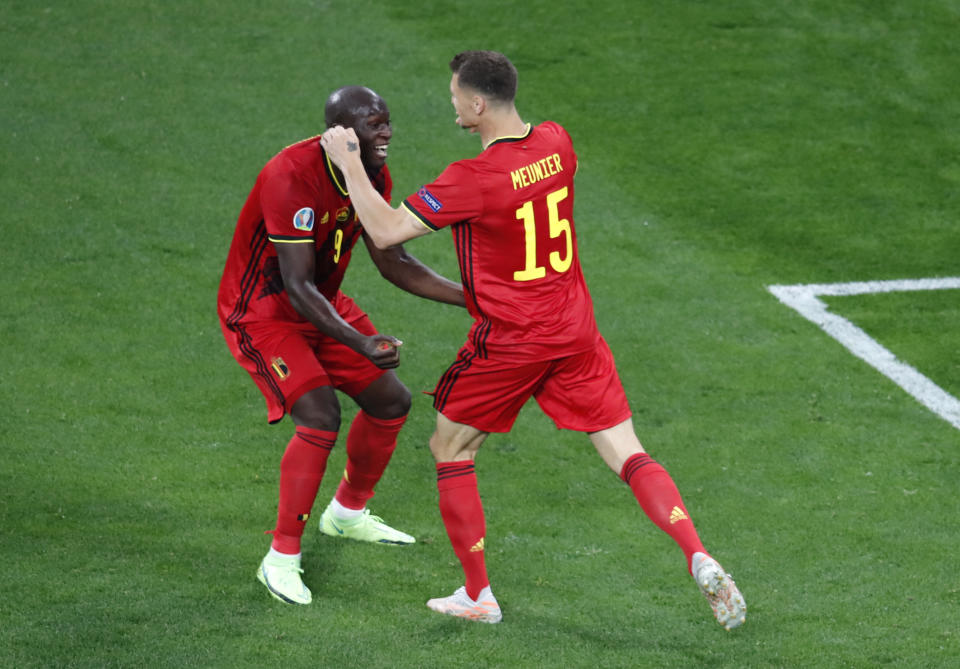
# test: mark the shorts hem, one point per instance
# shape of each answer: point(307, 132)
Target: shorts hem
point(606, 424)
point(291, 398)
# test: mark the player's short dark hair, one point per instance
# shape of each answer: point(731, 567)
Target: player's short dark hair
point(487, 72)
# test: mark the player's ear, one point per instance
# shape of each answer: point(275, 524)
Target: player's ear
point(479, 104)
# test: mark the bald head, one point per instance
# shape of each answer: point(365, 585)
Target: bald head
point(347, 105)
point(362, 109)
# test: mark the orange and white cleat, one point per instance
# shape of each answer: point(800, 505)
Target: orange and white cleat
point(484, 609)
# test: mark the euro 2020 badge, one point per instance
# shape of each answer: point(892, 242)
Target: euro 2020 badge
point(303, 219)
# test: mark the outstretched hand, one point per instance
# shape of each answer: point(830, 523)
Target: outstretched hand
point(341, 144)
point(383, 351)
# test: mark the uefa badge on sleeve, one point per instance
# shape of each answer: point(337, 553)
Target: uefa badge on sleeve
point(303, 219)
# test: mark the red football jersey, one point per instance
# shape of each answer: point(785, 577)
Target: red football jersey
point(297, 199)
point(511, 213)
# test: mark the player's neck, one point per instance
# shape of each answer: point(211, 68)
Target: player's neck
point(507, 124)
point(342, 180)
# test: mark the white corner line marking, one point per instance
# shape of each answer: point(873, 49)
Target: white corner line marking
point(803, 298)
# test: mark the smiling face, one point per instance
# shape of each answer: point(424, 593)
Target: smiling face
point(363, 110)
point(374, 132)
point(372, 125)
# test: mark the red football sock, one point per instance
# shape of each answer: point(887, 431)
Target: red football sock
point(462, 514)
point(301, 471)
point(659, 498)
point(370, 443)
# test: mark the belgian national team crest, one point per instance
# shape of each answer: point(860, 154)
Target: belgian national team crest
point(280, 368)
point(303, 219)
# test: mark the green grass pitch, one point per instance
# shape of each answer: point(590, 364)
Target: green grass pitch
point(724, 147)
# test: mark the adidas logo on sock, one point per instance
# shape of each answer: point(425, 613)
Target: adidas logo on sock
point(477, 547)
point(677, 515)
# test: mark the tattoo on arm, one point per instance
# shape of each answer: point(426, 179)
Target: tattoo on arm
point(351, 146)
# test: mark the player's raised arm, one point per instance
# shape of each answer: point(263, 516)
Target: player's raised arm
point(386, 226)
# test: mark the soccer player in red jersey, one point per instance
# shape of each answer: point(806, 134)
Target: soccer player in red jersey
point(288, 324)
point(534, 332)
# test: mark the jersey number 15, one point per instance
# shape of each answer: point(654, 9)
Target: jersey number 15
point(558, 226)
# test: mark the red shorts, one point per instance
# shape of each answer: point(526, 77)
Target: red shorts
point(288, 359)
point(581, 392)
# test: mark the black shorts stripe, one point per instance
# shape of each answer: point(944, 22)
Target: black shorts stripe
point(263, 370)
point(445, 386)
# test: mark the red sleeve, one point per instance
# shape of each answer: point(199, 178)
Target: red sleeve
point(452, 197)
point(288, 207)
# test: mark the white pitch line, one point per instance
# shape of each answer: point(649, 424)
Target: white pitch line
point(803, 298)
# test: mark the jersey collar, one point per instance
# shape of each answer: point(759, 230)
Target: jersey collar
point(512, 138)
point(332, 172)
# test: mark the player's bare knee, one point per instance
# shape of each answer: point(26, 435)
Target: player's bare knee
point(401, 401)
point(386, 398)
point(318, 409)
point(452, 450)
point(319, 420)
point(388, 406)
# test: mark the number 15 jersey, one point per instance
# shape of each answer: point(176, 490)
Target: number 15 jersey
point(511, 214)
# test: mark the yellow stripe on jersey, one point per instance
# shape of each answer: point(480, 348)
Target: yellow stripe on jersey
point(290, 240)
point(417, 215)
